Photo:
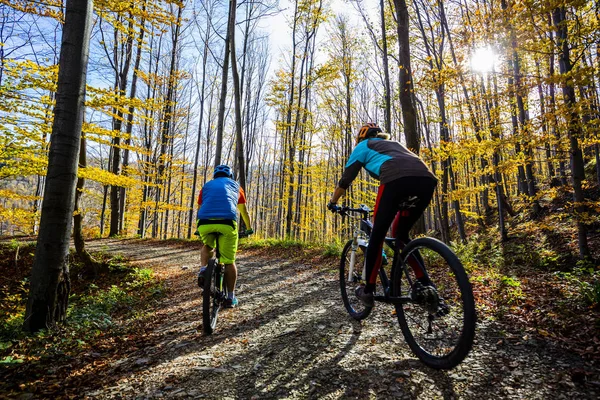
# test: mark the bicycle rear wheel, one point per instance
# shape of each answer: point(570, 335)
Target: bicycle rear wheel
point(350, 278)
point(212, 296)
point(439, 324)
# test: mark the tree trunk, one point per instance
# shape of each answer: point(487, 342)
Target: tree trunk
point(224, 77)
point(121, 75)
point(544, 122)
point(50, 283)
point(522, 129)
point(386, 72)
point(167, 118)
point(239, 148)
point(484, 179)
point(597, 148)
point(91, 265)
point(290, 139)
point(129, 126)
point(409, 116)
point(574, 129)
point(495, 129)
point(555, 131)
point(200, 122)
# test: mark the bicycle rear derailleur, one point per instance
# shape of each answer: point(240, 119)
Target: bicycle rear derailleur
point(428, 298)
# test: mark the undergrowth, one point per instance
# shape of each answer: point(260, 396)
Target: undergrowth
point(107, 305)
point(535, 282)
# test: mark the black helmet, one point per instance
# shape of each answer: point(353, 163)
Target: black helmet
point(368, 130)
point(223, 170)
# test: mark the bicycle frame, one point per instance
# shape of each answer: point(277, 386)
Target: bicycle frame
point(361, 238)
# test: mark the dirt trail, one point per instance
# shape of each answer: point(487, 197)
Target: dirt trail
point(291, 338)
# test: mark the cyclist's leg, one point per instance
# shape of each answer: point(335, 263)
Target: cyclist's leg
point(384, 212)
point(206, 253)
point(422, 188)
point(206, 233)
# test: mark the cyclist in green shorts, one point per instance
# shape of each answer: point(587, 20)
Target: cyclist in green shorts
point(218, 202)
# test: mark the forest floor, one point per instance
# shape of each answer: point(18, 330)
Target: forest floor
point(290, 338)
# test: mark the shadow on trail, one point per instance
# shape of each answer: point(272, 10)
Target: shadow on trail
point(292, 336)
point(173, 343)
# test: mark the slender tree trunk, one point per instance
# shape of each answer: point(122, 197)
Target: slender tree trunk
point(50, 283)
point(167, 193)
point(289, 141)
point(409, 115)
point(386, 71)
point(597, 150)
point(224, 77)
point(167, 117)
point(544, 123)
point(484, 179)
point(562, 168)
point(574, 129)
point(121, 75)
point(91, 265)
point(237, 101)
point(129, 127)
point(200, 122)
point(495, 128)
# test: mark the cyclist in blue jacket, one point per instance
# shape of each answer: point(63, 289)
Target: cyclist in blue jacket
point(402, 175)
point(219, 200)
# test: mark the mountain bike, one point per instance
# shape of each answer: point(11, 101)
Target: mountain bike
point(429, 288)
point(214, 291)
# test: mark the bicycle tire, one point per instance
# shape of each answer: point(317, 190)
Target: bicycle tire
point(210, 298)
point(354, 306)
point(448, 276)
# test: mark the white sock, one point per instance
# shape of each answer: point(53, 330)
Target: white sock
point(231, 295)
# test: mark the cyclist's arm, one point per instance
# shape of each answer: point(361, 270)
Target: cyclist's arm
point(242, 207)
point(245, 216)
point(337, 193)
point(356, 161)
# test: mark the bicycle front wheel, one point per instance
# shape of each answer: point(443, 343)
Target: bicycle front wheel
point(439, 323)
point(211, 297)
point(351, 271)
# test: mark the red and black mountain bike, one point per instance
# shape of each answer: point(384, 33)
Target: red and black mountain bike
point(428, 287)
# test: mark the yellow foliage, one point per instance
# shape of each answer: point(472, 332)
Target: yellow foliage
point(106, 178)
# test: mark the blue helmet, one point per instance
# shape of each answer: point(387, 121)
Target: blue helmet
point(223, 170)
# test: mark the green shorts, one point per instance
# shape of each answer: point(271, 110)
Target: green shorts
point(228, 240)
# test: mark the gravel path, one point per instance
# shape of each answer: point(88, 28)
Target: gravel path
point(291, 338)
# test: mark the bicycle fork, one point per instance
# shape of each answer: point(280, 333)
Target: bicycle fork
point(356, 243)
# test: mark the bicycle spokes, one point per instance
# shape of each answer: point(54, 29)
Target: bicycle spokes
point(351, 276)
point(439, 321)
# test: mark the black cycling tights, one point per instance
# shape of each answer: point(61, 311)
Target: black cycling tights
point(408, 197)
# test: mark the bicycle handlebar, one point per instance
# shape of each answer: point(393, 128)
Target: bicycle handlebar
point(344, 210)
point(245, 233)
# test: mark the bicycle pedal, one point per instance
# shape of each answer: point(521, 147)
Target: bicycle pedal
point(442, 311)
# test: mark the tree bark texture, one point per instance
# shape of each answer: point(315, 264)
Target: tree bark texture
point(50, 283)
point(574, 129)
point(409, 116)
point(224, 77)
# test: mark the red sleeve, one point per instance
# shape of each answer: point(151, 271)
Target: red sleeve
point(200, 198)
point(242, 197)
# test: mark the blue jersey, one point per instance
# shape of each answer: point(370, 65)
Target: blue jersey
point(219, 199)
point(384, 160)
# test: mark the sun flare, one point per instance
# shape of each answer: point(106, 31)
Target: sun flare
point(484, 60)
